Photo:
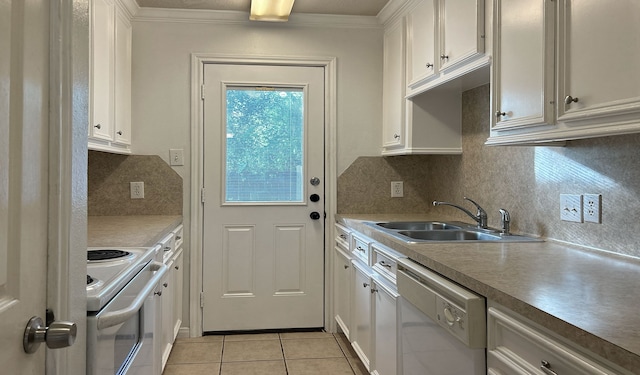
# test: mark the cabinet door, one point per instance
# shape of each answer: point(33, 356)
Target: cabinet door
point(393, 86)
point(421, 49)
point(122, 80)
point(168, 291)
point(386, 330)
point(599, 52)
point(523, 63)
point(461, 32)
point(102, 74)
point(342, 295)
point(178, 281)
point(362, 335)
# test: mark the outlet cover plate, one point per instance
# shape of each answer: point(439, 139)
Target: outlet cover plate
point(137, 190)
point(592, 208)
point(397, 189)
point(571, 207)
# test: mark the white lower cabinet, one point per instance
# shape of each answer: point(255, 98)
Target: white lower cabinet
point(366, 300)
point(362, 317)
point(518, 346)
point(385, 333)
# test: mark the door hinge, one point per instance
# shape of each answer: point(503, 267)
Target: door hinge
point(202, 197)
point(202, 92)
point(201, 299)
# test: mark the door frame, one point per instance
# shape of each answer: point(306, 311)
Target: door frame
point(196, 207)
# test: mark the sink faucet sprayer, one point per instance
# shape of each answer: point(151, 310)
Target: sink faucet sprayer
point(480, 217)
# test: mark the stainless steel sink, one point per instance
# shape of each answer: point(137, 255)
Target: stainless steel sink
point(442, 231)
point(449, 235)
point(418, 225)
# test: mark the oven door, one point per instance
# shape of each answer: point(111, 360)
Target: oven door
point(120, 336)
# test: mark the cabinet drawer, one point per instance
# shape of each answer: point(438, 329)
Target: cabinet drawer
point(384, 261)
point(360, 248)
point(516, 345)
point(343, 237)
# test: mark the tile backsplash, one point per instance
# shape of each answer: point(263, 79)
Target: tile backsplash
point(109, 176)
point(525, 180)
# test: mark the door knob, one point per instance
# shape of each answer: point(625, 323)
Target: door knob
point(57, 335)
point(315, 181)
point(314, 197)
point(314, 215)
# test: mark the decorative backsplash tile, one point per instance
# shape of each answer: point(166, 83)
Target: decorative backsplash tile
point(527, 181)
point(109, 176)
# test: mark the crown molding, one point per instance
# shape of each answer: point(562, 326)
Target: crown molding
point(236, 17)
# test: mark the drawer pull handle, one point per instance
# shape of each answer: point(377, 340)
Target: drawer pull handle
point(343, 236)
point(384, 264)
point(546, 368)
point(167, 248)
point(373, 290)
point(360, 249)
point(178, 238)
point(177, 267)
point(346, 267)
point(364, 285)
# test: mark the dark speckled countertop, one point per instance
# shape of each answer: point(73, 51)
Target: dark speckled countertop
point(589, 297)
point(129, 231)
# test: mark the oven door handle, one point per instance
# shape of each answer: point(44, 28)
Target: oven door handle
point(113, 318)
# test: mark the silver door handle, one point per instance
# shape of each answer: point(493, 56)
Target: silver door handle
point(57, 335)
point(113, 318)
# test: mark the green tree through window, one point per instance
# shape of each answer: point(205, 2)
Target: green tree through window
point(265, 147)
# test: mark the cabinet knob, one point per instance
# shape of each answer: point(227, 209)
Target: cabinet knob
point(444, 57)
point(177, 267)
point(570, 99)
point(158, 293)
point(119, 132)
point(396, 136)
point(429, 65)
point(498, 114)
point(98, 126)
point(546, 368)
point(346, 267)
point(364, 285)
point(165, 285)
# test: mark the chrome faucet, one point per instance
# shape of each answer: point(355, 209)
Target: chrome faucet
point(480, 217)
point(505, 221)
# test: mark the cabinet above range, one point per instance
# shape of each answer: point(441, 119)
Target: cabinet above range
point(110, 78)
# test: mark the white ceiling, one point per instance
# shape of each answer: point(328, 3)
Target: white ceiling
point(341, 7)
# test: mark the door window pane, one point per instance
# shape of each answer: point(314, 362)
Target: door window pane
point(264, 145)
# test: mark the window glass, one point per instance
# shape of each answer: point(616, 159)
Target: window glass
point(264, 145)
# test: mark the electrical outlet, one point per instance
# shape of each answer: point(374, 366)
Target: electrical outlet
point(397, 189)
point(137, 190)
point(571, 207)
point(593, 208)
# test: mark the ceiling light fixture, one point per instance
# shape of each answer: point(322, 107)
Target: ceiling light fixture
point(271, 10)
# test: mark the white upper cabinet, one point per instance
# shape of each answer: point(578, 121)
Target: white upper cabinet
point(594, 84)
point(523, 60)
point(445, 41)
point(461, 32)
point(102, 74)
point(593, 33)
point(422, 62)
point(393, 111)
point(110, 112)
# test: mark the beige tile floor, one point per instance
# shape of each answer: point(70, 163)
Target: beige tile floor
point(294, 353)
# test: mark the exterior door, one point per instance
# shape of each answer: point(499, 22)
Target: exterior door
point(263, 224)
point(24, 69)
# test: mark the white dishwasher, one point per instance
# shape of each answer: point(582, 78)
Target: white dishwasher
point(443, 324)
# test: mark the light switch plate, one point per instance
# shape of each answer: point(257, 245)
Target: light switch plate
point(176, 156)
point(571, 207)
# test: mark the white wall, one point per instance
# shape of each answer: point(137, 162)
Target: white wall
point(164, 41)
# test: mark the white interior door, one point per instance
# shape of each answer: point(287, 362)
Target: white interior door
point(263, 240)
point(24, 43)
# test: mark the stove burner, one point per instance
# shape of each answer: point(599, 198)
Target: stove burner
point(106, 254)
point(89, 279)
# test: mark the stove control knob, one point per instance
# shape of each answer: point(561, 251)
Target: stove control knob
point(56, 335)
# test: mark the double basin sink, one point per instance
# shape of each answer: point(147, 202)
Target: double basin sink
point(437, 231)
